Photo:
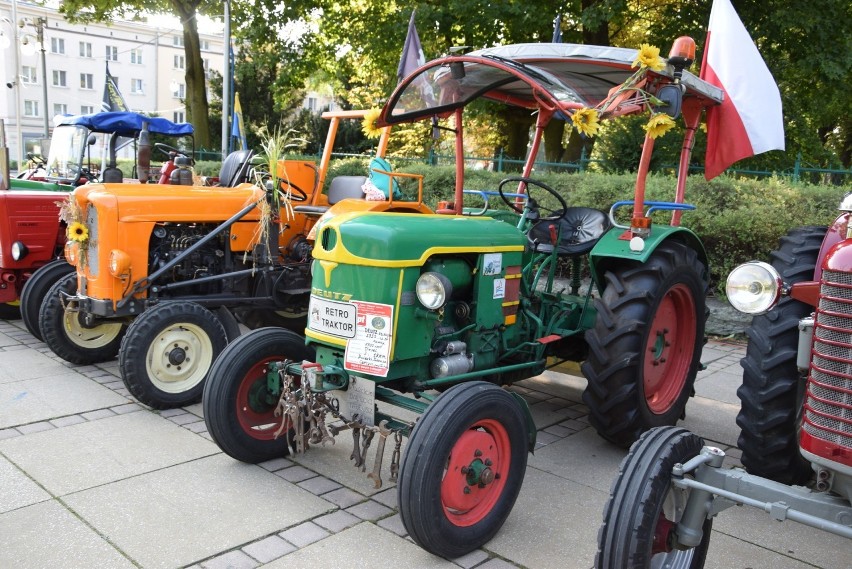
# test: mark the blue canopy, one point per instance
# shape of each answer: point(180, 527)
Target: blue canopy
point(127, 124)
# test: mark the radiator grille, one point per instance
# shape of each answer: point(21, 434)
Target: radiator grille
point(92, 244)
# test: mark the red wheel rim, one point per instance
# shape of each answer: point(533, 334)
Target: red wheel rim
point(669, 350)
point(476, 473)
point(257, 419)
point(661, 535)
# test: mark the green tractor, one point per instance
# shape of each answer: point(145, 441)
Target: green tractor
point(434, 313)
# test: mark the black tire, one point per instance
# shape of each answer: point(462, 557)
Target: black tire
point(645, 347)
point(69, 339)
point(229, 322)
point(168, 351)
point(9, 311)
point(439, 514)
point(772, 388)
point(641, 498)
point(254, 318)
point(36, 288)
point(243, 427)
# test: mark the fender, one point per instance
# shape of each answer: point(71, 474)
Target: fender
point(611, 248)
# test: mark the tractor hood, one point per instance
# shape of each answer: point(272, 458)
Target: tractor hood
point(159, 203)
point(405, 240)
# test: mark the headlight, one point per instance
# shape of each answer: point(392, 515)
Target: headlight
point(19, 250)
point(754, 287)
point(433, 290)
point(119, 263)
point(72, 250)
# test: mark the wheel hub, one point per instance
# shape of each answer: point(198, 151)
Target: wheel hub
point(663, 534)
point(177, 355)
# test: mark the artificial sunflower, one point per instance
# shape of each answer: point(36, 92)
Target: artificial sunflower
point(78, 232)
point(649, 56)
point(368, 125)
point(658, 125)
point(586, 121)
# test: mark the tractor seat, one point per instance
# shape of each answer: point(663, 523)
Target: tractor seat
point(235, 168)
point(579, 229)
point(341, 188)
point(112, 175)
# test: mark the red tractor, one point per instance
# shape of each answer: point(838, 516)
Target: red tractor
point(795, 416)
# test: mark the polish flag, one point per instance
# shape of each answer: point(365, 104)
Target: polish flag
point(749, 121)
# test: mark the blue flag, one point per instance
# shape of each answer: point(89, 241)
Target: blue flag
point(557, 29)
point(412, 52)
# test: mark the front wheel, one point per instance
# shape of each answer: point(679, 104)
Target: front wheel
point(644, 507)
point(167, 353)
point(645, 348)
point(239, 408)
point(68, 335)
point(463, 468)
point(35, 290)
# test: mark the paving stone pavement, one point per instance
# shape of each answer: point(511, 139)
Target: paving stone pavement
point(91, 478)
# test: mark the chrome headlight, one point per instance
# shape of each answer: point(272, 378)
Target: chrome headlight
point(754, 287)
point(19, 250)
point(433, 290)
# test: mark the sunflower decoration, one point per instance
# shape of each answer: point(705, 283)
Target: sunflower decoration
point(368, 125)
point(78, 232)
point(649, 58)
point(586, 121)
point(658, 125)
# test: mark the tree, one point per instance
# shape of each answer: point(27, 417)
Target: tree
point(186, 10)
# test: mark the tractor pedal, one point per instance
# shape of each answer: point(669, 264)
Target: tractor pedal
point(549, 339)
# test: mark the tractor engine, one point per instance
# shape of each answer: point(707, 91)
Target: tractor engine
point(172, 239)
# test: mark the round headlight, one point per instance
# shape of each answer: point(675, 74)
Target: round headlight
point(754, 287)
point(433, 290)
point(19, 250)
point(119, 263)
point(71, 251)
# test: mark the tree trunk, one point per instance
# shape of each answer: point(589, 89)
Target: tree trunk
point(553, 133)
point(196, 82)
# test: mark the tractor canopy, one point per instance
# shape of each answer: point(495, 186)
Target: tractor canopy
point(128, 124)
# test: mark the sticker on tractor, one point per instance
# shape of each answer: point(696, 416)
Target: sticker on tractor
point(330, 317)
point(369, 351)
point(492, 263)
point(499, 288)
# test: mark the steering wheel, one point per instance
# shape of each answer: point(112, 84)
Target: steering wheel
point(80, 173)
point(553, 214)
point(297, 194)
point(167, 150)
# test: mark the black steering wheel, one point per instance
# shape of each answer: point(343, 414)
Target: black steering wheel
point(167, 150)
point(553, 214)
point(80, 172)
point(297, 194)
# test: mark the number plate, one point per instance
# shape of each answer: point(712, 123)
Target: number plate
point(332, 317)
point(360, 398)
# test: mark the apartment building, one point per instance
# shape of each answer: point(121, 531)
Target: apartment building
point(146, 59)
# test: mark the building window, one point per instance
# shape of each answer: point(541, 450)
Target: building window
point(28, 74)
point(111, 53)
point(178, 117)
point(31, 108)
point(85, 49)
point(86, 109)
point(312, 104)
point(60, 109)
point(180, 91)
point(180, 62)
point(136, 56)
point(86, 81)
point(205, 45)
point(136, 86)
point(57, 45)
point(59, 79)
point(177, 41)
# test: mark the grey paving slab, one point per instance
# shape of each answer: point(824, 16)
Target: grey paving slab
point(554, 524)
point(727, 552)
point(183, 514)
point(584, 458)
point(44, 398)
point(17, 489)
point(714, 420)
point(48, 535)
point(29, 364)
point(5, 340)
point(556, 384)
point(364, 546)
point(89, 454)
point(720, 386)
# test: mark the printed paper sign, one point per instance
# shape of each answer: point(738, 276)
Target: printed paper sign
point(499, 288)
point(369, 350)
point(331, 317)
point(492, 263)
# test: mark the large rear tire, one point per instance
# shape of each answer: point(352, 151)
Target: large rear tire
point(68, 336)
point(35, 290)
point(772, 389)
point(463, 469)
point(644, 506)
point(238, 408)
point(645, 348)
point(168, 351)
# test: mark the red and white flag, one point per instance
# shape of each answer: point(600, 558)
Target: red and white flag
point(749, 121)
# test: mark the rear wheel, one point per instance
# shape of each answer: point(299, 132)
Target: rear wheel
point(168, 351)
point(67, 334)
point(772, 389)
point(644, 507)
point(645, 348)
point(238, 406)
point(260, 318)
point(463, 468)
point(35, 290)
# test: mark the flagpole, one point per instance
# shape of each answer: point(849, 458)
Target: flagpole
point(226, 81)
